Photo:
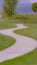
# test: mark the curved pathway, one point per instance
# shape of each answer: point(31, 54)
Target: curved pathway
point(22, 45)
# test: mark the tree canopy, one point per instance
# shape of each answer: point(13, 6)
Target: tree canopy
point(34, 7)
point(9, 6)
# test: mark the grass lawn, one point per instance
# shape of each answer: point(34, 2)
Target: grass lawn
point(30, 58)
point(31, 31)
point(5, 42)
point(6, 24)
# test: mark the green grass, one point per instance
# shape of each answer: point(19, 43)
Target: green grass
point(5, 42)
point(31, 31)
point(28, 59)
point(6, 24)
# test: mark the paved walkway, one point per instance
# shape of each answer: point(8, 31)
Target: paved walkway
point(22, 45)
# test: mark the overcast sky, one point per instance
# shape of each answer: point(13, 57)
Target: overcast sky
point(26, 1)
point(20, 2)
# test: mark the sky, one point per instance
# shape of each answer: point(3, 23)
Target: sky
point(26, 1)
point(1, 3)
point(23, 1)
point(19, 2)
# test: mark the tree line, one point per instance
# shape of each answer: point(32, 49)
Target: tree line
point(10, 5)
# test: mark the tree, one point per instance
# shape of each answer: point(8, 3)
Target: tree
point(34, 7)
point(9, 7)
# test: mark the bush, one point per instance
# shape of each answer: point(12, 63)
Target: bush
point(26, 16)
